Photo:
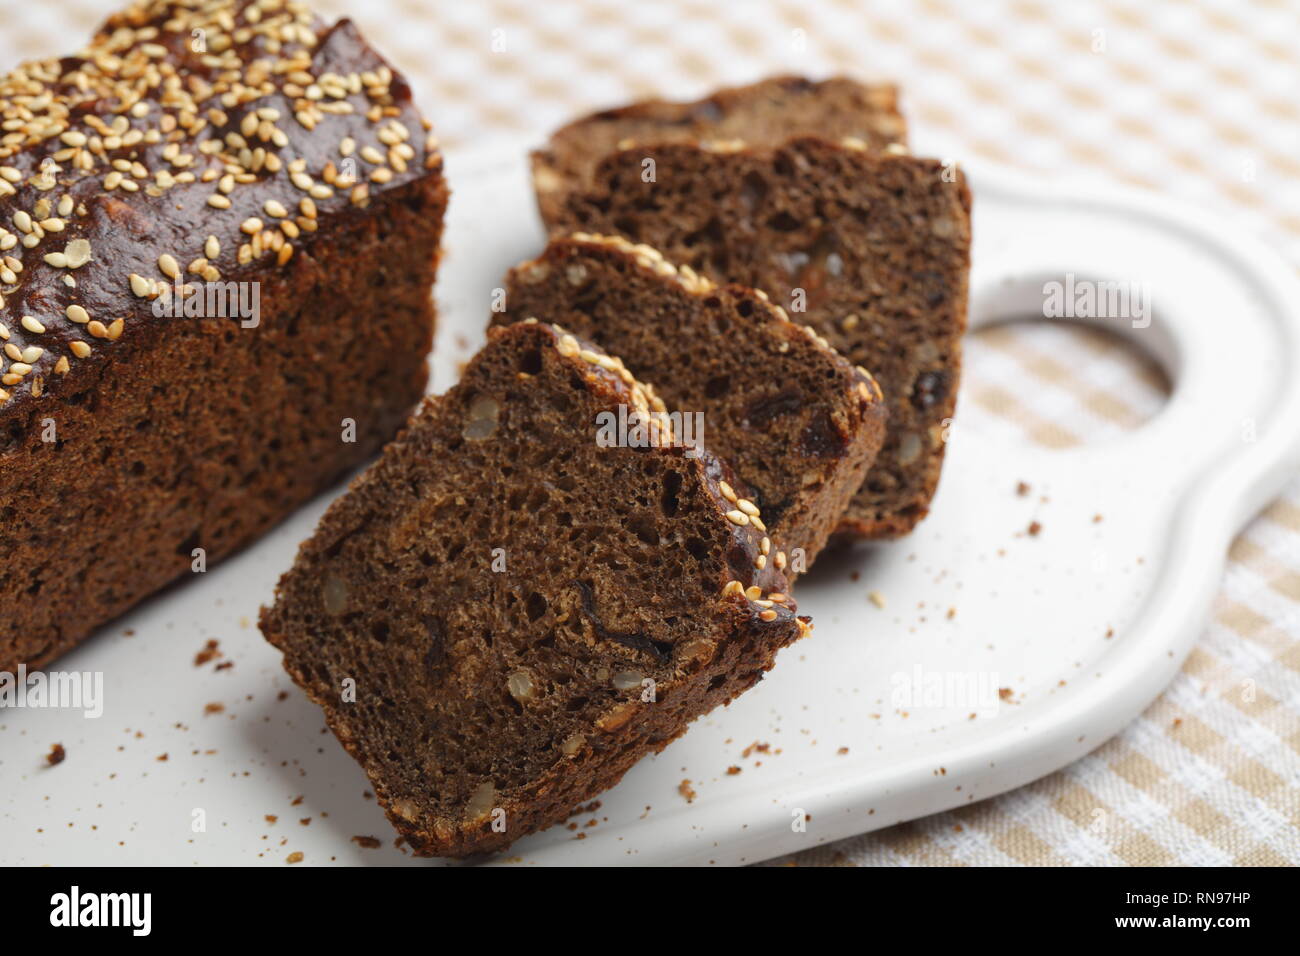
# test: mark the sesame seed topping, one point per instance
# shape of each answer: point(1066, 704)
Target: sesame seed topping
point(77, 314)
point(79, 348)
point(167, 266)
point(31, 325)
point(738, 518)
point(212, 248)
point(218, 201)
point(768, 615)
point(274, 209)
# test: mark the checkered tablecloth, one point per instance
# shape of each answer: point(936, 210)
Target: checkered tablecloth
point(1196, 99)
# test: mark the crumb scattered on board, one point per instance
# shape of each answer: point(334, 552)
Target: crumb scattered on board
point(876, 598)
point(56, 755)
point(687, 791)
point(210, 651)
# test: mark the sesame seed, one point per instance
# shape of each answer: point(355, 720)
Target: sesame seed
point(780, 561)
point(753, 592)
point(61, 366)
point(77, 253)
point(273, 208)
point(97, 329)
point(31, 325)
point(141, 286)
point(32, 353)
point(768, 615)
point(727, 491)
point(733, 587)
point(167, 266)
point(738, 518)
point(212, 248)
point(748, 507)
point(218, 201)
point(79, 348)
point(568, 346)
point(77, 314)
point(765, 545)
point(56, 259)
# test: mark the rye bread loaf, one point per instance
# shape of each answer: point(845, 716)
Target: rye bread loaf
point(797, 423)
point(871, 249)
point(524, 611)
point(772, 110)
point(139, 440)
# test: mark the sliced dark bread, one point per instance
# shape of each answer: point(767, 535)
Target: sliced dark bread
point(772, 110)
point(526, 611)
point(871, 249)
point(798, 423)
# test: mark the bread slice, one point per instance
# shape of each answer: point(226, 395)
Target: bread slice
point(772, 110)
point(523, 609)
point(796, 421)
point(871, 249)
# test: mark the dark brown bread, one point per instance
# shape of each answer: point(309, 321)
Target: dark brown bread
point(875, 247)
point(206, 141)
point(500, 587)
point(796, 421)
point(770, 111)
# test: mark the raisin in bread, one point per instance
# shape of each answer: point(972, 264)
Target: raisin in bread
point(769, 111)
point(871, 249)
point(203, 319)
point(796, 421)
point(526, 610)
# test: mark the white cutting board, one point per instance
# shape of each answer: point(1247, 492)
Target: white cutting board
point(1084, 623)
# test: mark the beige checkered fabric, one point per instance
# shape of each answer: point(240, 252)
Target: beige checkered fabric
point(1196, 99)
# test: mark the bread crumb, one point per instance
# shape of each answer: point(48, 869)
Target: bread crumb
point(1022, 489)
point(842, 751)
point(209, 652)
point(56, 755)
point(294, 857)
point(1034, 528)
point(732, 770)
point(367, 842)
point(876, 598)
point(687, 791)
point(213, 708)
